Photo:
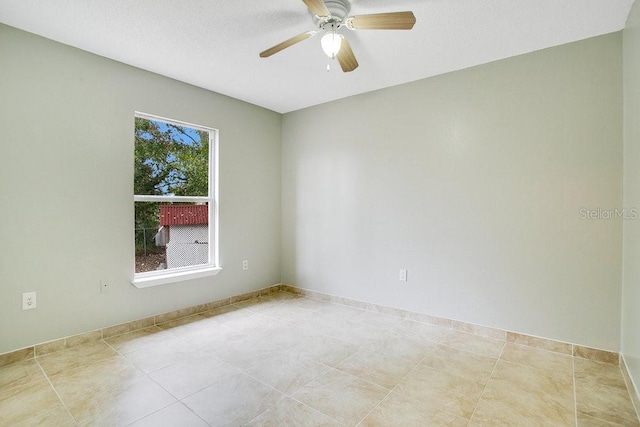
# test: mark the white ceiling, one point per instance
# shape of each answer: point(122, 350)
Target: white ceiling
point(214, 44)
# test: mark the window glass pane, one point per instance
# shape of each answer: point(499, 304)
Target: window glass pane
point(149, 256)
point(170, 159)
point(171, 235)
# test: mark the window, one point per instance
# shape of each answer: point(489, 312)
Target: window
point(175, 202)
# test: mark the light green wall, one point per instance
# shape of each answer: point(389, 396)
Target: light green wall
point(473, 181)
point(631, 271)
point(66, 129)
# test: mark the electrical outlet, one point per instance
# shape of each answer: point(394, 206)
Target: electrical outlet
point(245, 264)
point(104, 286)
point(403, 275)
point(28, 300)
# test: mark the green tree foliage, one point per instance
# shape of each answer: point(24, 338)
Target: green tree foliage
point(168, 159)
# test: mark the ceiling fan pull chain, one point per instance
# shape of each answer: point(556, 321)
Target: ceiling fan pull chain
point(328, 67)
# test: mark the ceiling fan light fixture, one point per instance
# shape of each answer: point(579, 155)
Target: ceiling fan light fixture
point(331, 43)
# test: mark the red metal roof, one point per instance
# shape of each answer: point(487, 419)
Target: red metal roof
point(184, 214)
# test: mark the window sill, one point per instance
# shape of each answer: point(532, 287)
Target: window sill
point(178, 276)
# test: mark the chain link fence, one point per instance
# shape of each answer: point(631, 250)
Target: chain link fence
point(149, 257)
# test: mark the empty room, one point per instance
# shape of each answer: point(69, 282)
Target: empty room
point(320, 213)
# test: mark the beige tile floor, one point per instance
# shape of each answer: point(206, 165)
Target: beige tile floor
point(286, 360)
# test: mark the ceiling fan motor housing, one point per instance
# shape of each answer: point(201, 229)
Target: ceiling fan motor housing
point(339, 10)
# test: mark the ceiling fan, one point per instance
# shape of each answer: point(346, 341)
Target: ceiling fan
point(330, 16)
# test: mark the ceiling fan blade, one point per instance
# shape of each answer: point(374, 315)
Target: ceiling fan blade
point(346, 58)
point(317, 7)
point(287, 43)
point(383, 21)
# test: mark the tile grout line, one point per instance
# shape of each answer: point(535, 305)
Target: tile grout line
point(396, 386)
point(148, 377)
point(469, 351)
point(177, 400)
point(287, 394)
point(575, 394)
point(155, 382)
point(375, 407)
point(157, 410)
point(170, 404)
point(371, 382)
point(294, 399)
point(329, 368)
point(55, 391)
point(112, 347)
point(628, 382)
point(485, 385)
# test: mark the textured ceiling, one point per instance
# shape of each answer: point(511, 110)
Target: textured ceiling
point(215, 44)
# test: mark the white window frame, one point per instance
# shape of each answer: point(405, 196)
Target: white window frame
point(162, 277)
